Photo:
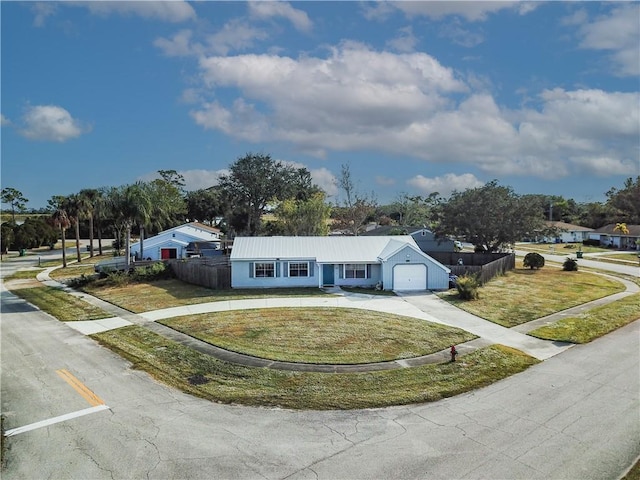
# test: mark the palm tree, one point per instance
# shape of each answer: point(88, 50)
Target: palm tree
point(73, 208)
point(88, 199)
point(60, 219)
point(130, 205)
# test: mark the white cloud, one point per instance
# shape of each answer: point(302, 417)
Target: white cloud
point(325, 180)
point(411, 105)
point(174, 11)
point(4, 121)
point(385, 181)
point(52, 123)
point(179, 45)
point(472, 11)
point(619, 33)
point(235, 35)
point(41, 11)
point(444, 185)
point(460, 35)
point(264, 10)
point(405, 41)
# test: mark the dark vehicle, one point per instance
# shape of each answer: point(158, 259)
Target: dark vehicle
point(453, 280)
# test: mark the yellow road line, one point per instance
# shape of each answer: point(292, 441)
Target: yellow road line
point(81, 388)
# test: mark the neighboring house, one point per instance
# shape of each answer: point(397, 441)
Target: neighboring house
point(567, 233)
point(609, 237)
point(391, 262)
point(424, 238)
point(178, 242)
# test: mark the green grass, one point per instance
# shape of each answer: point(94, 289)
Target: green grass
point(215, 380)
point(594, 323)
point(61, 305)
point(320, 335)
point(143, 297)
point(523, 294)
point(23, 275)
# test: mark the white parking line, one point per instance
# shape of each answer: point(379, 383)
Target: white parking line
point(54, 420)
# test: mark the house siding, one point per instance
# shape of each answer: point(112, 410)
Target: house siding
point(241, 275)
point(375, 276)
point(437, 277)
point(380, 254)
point(177, 237)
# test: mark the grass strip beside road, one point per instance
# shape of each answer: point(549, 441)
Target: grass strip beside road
point(320, 335)
point(593, 323)
point(60, 304)
point(523, 294)
point(209, 378)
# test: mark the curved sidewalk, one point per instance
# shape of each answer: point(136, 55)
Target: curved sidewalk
point(426, 306)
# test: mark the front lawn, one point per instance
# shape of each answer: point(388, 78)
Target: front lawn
point(320, 335)
point(593, 323)
point(523, 294)
point(207, 377)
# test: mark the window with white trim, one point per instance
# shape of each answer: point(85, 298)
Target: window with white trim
point(265, 269)
point(355, 270)
point(298, 269)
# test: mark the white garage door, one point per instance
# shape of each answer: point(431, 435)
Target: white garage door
point(410, 277)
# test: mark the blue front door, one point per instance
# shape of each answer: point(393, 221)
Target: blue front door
point(327, 274)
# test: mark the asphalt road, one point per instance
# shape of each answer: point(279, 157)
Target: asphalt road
point(574, 416)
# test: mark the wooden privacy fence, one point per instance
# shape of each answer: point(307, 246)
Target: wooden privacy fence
point(485, 265)
point(214, 273)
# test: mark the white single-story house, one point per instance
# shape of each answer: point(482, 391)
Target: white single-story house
point(178, 242)
point(391, 262)
point(567, 233)
point(609, 236)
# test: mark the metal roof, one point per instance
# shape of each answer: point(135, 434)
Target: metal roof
point(331, 249)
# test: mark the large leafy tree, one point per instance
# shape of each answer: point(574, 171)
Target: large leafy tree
point(15, 199)
point(168, 205)
point(305, 217)
point(415, 210)
point(204, 205)
point(6, 237)
point(625, 202)
point(490, 217)
point(254, 182)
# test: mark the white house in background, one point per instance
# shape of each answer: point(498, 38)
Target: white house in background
point(179, 242)
point(610, 237)
point(567, 233)
point(393, 262)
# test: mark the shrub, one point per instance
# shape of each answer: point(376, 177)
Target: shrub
point(533, 260)
point(155, 271)
point(81, 281)
point(570, 265)
point(467, 287)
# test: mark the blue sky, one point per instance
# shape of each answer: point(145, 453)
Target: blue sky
point(416, 97)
